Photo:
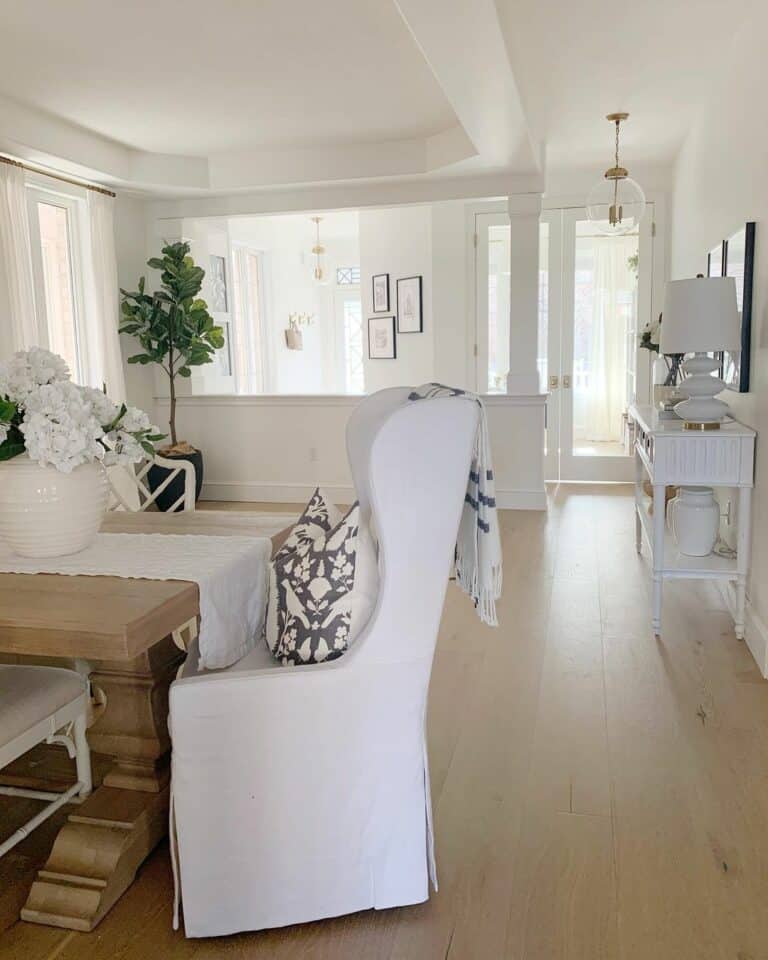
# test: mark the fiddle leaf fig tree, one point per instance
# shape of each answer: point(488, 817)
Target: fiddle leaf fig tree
point(172, 325)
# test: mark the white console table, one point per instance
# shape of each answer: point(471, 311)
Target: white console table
point(671, 455)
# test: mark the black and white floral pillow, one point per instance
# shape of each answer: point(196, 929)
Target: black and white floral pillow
point(310, 608)
point(320, 516)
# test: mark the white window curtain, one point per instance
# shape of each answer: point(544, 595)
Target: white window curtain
point(604, 400)
point(103, 361)
point(18, 330)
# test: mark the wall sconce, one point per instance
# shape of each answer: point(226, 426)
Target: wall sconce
point(294, 338)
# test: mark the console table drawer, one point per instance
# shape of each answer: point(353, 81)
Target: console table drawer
point(715, 460)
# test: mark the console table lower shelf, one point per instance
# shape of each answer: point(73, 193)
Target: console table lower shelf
point(671, 456)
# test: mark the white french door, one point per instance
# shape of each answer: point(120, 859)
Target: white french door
point(599, 291)
point(595, 295)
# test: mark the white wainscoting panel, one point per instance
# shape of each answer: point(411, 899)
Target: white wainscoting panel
point(279, 448)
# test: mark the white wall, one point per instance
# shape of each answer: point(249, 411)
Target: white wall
point(131, 253)
point(434, 241)
point(719, 185)
point(452, 300)
point(398, 241)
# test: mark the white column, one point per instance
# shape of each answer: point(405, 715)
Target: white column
point(524, 214)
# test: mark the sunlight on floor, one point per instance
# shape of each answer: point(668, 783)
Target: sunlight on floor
point(584, 448)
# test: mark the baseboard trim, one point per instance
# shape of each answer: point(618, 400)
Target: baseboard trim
point(271, 491)
point(282, 492)
point(521, 499)
point(755, 631)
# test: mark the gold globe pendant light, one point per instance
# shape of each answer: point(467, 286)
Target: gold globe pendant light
point(616, 203)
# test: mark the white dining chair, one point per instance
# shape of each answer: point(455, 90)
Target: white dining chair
point(43, 705)
point(130, 490)
point(303, 793)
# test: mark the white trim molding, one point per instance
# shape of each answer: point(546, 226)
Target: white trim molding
point(755, 630)
point(270, 491)
point(264, 400)
point(328, 400)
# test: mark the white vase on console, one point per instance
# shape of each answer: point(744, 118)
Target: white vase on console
point(47, 513)
point(694, 516)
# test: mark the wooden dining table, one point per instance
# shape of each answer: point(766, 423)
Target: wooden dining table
point(122, 632)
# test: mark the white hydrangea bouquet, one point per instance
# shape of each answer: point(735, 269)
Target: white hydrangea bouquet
point(61, 424)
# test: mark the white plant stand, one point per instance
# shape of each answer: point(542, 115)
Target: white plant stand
point(670, 455)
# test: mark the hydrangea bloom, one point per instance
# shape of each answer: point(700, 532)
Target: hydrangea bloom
point(59, 427)
point(29, 369)
point(104, 409)
point(63, 424)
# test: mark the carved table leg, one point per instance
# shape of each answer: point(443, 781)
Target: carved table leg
point(97, 852)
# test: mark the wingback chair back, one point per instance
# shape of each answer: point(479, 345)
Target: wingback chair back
point(302, 793)
point(410, 465)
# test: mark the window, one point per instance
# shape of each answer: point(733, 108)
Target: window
point(57, 270)
point(347, 275)
point(354, 375)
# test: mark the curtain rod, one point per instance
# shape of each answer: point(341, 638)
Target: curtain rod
point(57, 176)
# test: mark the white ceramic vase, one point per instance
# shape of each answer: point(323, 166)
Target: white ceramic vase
point(694, 516)
point(46, 513)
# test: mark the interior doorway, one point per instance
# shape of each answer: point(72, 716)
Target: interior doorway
point(598, 297)
point(596, 293)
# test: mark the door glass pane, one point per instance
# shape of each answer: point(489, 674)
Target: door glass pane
point(498, 307)
point(541, 352)
point(57, 278)
point(605, 310)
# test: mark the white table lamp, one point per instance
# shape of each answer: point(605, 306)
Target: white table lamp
point(701, 317)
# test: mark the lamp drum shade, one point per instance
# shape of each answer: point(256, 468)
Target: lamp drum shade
point(700, 315)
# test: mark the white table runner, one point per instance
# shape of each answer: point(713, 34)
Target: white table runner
point(231, 573)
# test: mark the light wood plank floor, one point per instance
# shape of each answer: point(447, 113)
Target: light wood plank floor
point(597, 794)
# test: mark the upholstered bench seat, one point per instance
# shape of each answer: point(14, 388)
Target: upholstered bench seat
point(43, 705)
point(29, 695)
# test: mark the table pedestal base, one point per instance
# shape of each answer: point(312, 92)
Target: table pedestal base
point(95, 857)
point(99, 849)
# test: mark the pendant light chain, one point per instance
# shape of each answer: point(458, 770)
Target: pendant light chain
point(616, 208)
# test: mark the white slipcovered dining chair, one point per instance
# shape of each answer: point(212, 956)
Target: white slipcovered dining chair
point(303, 793)
point(130, 490)
point(36, 705)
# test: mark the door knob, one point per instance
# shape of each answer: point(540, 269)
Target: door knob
point(566, 380)
point(554, 382)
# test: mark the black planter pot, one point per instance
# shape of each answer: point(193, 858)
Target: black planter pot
point(175, 488)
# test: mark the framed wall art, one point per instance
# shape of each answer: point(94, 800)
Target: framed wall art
point(381, 293)
point(382, 343)
point(410, 308)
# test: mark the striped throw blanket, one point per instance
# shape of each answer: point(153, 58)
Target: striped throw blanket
point(478, 547)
